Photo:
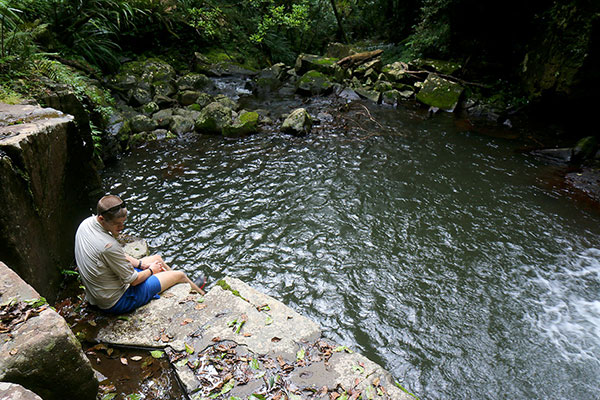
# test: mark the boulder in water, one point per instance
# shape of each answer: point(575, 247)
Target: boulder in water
point(213, 118)
point(298, 123)
point(244, 124)
point(440, 93)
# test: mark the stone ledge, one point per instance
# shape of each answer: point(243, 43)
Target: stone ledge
point(239, 341)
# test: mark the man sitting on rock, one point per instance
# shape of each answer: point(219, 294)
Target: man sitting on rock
point(114, 281)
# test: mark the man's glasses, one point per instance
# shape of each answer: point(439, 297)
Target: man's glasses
point(114, 209)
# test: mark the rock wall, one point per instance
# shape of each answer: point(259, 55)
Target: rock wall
point(37, 348)
point(47, 184)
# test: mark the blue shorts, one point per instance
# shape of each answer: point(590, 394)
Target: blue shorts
point(137, 296)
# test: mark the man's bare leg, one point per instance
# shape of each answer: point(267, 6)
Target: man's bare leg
point(170, 278)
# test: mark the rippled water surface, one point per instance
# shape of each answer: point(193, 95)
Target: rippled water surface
point(438, 253)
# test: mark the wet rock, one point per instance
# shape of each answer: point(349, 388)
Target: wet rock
point(368, 94)
point(41, 353)
point(348, 94)
point(440, 93)
point(562, 155)
point(164, 101)
point(309, 62)
point(204, 99)
point(142, 123)
point(441, 66)
point(213, 118)
point(587, 180)
point(382, 86)
point(188, 97)
point(244, 124)
point(269, 79)
point(314, 83)
point(180, 125)
point(163, 117)
point(226, 101)
point(194, 81)
point(390, 97)
point(298, 123)
point(13, 391)
point(139, 96)
point(150, 108)
point(369, 69)
point(47, 180)
point(397, 72)
point(585, 149)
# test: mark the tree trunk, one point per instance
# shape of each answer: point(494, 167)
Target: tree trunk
point(339, 22)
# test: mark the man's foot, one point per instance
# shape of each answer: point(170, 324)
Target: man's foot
point(200, 281)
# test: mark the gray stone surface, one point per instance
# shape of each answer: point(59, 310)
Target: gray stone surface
point(12, 391)
point(40, 352)
point(47, 180)
point(237, 335)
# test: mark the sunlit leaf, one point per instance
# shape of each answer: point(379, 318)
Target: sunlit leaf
point(109, 396)
point(342, 348)
point(254, 364)
point(189, 349)
point(256, 396)
point(358, 368)
point(300, 354)
point(133, 396)
point(181, 362)
point(157, 353)
point(268, 320)
point(135, 358)
point(228, 386)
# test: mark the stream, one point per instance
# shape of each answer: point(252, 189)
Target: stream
point(449, 257)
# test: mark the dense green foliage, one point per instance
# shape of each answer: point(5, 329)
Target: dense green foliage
point(490, 40)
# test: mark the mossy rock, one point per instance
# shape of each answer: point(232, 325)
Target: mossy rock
point(440, 93)
point(194, 81)
point(308, 62)
point(226, 101)
point(314, 83)
point(368, 94)
point(441, 66)
point(180, 125)
point(298, 123)
point(245, 124)
point(142, 123)
point(213, 118)
point(163, 117)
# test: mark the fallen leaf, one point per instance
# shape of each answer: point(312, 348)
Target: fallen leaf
point(300, 354)
point(13, 352)
point(135, 358)
point(376, 381)
point(124, 360)
point(275, 339)
point(189, 349)
point(165, 338)
point(186, 321)
point(200, 307)
point(246, 334)
point(268, 320)
point(334, 395)
point(324, 390)
point(216, 339)
point(157, 353)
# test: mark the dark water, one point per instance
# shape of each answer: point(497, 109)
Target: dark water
point(443, 255)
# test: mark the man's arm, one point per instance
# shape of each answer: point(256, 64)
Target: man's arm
point(147, 273)
point(135, 262)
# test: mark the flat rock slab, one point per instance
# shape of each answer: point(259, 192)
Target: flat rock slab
point(236, 341)
point(12, 391)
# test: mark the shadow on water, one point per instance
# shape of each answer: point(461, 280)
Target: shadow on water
point(436, 248)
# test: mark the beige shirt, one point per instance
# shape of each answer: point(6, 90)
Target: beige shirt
point(103, 268)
